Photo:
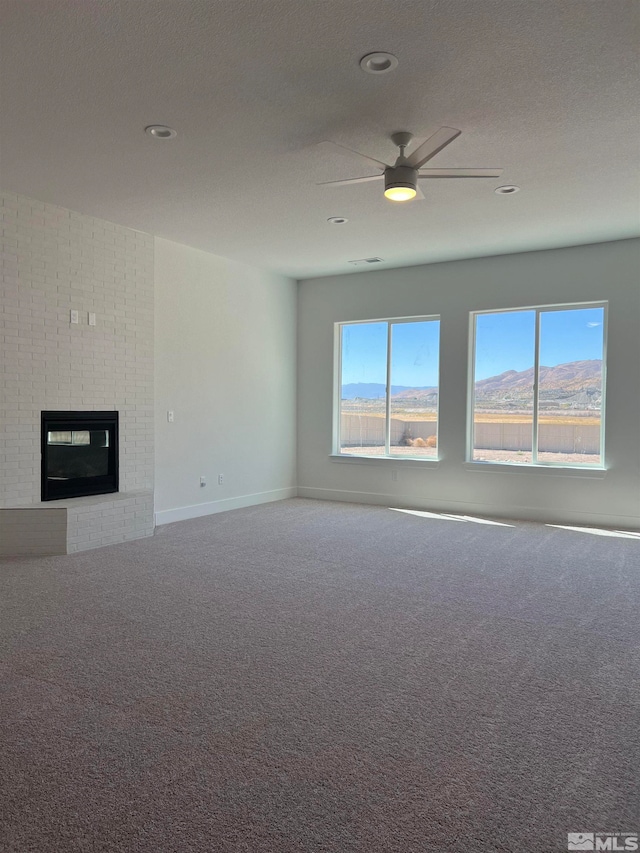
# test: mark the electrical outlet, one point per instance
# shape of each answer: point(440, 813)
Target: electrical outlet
point(170, 417)
point(74, 316)
point(203, 481)
point(220, 479)
point(394, 475)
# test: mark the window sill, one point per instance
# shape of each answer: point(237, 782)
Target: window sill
point(405, 461)
point(546, 470)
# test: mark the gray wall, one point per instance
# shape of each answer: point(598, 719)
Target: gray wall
point(607, 271)
point(226, 367)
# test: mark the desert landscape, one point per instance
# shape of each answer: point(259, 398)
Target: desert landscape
point(569, 417)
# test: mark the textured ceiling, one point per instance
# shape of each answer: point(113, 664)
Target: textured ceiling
point(549, 91)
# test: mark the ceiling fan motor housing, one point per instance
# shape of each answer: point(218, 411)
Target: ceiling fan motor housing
point(400, 176)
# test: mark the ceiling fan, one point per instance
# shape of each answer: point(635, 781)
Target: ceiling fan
point(401, 179)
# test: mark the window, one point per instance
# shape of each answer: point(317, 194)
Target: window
point(388, 388)
point(538, 386)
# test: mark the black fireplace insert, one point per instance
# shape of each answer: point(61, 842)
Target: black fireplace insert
point(79, 454)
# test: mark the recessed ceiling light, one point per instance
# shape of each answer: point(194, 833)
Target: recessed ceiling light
point(378, 63)
point(507, 190)
point(337, 220)
point(160, 131)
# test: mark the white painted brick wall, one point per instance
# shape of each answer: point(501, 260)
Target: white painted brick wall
point(54, 260)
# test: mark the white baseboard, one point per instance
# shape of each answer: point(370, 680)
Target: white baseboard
point(183, 513)
point(511, 511)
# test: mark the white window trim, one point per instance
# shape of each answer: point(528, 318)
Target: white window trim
point(336, 453)
point(472, 463)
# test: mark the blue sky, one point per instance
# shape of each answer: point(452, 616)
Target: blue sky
point(415, 352)
point(504, 341)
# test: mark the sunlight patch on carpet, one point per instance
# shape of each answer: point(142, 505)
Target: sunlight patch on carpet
point(450, 517)
point(597, 531)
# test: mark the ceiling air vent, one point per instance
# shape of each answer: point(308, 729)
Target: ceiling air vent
point(363, 262)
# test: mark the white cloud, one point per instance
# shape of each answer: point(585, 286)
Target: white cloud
point(592, 325)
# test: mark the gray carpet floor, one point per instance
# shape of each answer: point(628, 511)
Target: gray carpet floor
point(307, 676)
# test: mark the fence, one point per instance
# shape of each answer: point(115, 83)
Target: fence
point(553, 438)
point(368, 431)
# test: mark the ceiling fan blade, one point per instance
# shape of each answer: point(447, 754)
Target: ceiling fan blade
point(460, 173)
point(327, 145)
point(350, 181)
point(430, 148)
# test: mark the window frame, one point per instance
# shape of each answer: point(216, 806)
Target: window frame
point(539, 309)
point(336, 450)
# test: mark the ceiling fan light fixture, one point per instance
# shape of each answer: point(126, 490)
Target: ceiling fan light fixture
point(400, 183)
point(401, 179)
point(400, 193)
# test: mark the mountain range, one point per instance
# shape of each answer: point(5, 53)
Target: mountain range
point(373, 390)
point(573, 376)
point(582, 379)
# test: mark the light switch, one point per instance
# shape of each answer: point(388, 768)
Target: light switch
point(92, 318)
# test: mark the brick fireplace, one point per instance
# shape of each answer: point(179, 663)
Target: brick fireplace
point(77, 336)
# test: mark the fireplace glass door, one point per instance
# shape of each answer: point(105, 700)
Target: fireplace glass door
point(79, 454)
